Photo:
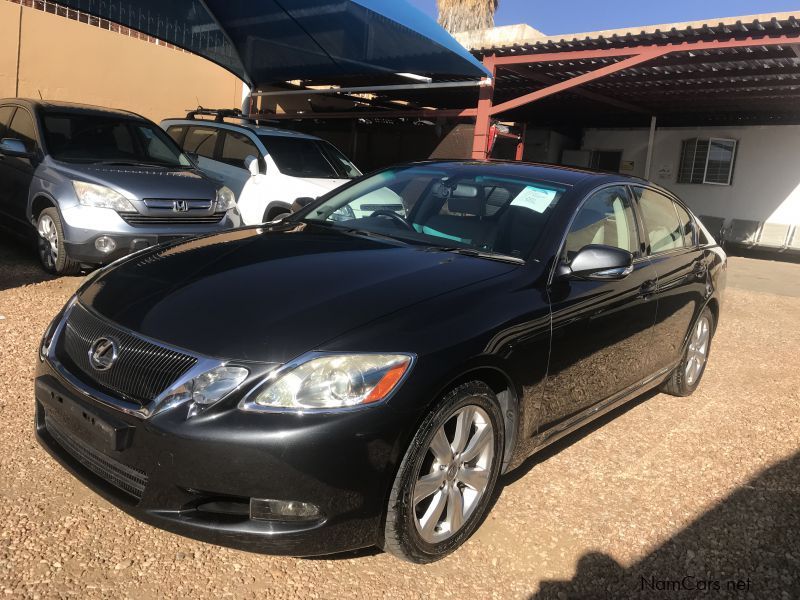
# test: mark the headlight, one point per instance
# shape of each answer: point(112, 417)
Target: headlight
point(226, 199)
point(100, 196)
point(331, 381)
point(206, 389)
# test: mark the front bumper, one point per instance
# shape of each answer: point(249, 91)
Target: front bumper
point(167, 470)
point(83, 225)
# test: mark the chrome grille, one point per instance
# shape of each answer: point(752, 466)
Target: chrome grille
point(130, 480)
point(139, 220)
point(142, 370)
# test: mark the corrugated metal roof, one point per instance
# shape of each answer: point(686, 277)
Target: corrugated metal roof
point(742, 25)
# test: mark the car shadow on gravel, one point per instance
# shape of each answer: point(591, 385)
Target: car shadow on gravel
point(747, 546)
point(18, 263)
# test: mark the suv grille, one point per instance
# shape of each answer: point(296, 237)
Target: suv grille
point(142, 370)
point(128, 479)
point(139, 220)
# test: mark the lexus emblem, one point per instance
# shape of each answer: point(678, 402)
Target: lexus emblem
point(103, 354)
point(180, 206)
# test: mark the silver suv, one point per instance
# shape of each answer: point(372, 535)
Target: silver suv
point(97, 184)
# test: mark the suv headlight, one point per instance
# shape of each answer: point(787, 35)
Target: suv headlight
point(331, 381)
point(205, 389)
point(100, 196)
point(226, 199)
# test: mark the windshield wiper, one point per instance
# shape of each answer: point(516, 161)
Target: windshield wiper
point(477, 253)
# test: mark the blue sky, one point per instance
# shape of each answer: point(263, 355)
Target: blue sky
point(573, 16)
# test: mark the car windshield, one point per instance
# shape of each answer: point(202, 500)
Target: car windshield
point(472, 209)
point(89, 138)
point(306, 157)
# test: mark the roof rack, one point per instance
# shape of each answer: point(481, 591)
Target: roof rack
point(219, 114)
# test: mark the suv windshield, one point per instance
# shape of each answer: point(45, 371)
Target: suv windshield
point(89, 138)
point(457, 206)
point(304, 157)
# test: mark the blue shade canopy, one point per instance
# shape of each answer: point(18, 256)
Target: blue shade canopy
point(320, 41)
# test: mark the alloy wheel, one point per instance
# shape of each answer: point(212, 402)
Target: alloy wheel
point(454, 475)
point(697, 353)
point(48, 241)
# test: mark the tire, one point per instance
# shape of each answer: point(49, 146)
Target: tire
point(52, 252)
point(683, 381)
point(405, 535)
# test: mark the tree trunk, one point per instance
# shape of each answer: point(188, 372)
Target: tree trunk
point(465, 15)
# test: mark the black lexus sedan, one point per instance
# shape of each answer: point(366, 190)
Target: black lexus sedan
point(361, 372)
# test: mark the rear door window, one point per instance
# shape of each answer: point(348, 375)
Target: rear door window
point(176, 132)
point(236, 147)
point(664, 231)
point(201, 141)
point(22, 129)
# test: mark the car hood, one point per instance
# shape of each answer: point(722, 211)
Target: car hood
point(271, 294)
point(143, 182)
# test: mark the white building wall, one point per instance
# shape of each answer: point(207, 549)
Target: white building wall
point(766, 175)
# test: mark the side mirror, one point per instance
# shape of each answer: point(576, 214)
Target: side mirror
point(302, 202)
point(599, 262)
point(193, 156)
point(251, 163)
point(14, 148)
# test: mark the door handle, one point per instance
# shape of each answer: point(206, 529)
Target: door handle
point(648, 288)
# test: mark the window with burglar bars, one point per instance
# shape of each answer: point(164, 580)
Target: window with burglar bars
point(707, 160)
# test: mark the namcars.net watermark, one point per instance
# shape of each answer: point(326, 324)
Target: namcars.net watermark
point(691, 583)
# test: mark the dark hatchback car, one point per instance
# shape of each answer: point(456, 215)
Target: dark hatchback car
point(379, 371)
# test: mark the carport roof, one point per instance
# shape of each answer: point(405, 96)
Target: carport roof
point(317, 41)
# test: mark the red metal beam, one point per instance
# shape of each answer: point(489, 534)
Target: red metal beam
point(644, 56)
point(480, 139)
point(541, 78)
point(376, 114)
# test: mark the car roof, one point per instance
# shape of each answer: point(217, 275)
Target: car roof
point(257, 129)
point(75, 107)
point(559, 174)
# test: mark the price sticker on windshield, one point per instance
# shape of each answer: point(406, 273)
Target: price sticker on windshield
point(535, 198)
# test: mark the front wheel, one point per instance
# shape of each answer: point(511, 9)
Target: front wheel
point(687, 375)
point(52, 252)
point(446, 479)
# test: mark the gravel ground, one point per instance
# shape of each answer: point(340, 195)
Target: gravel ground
point(706, 487)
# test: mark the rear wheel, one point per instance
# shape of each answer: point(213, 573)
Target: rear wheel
point(447, 477)
point(687, 375)
point(52, 253)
